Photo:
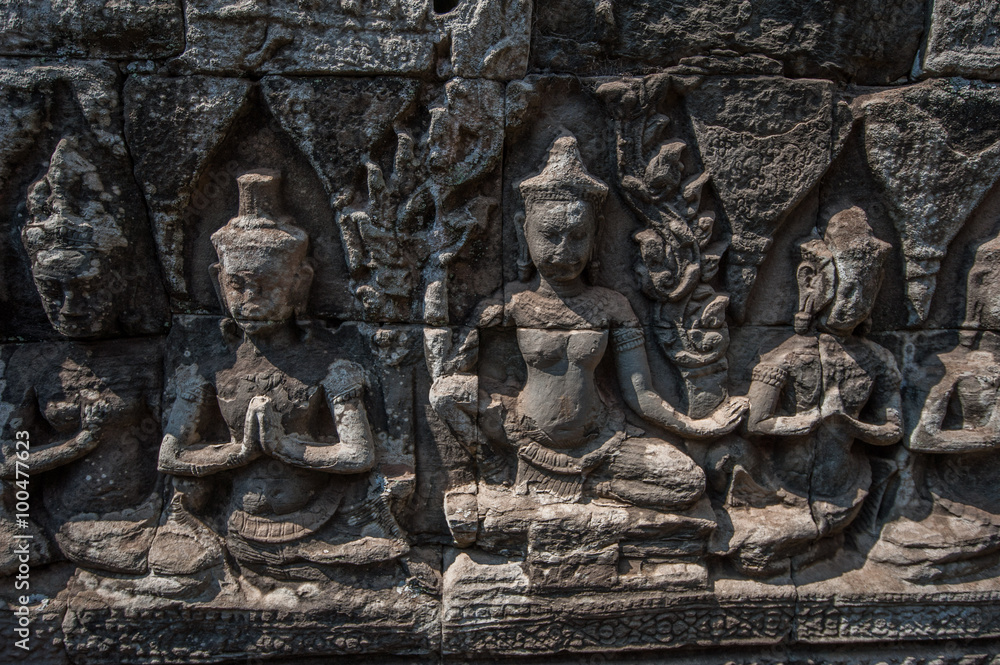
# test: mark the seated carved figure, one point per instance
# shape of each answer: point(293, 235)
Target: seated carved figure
point(299, 449)
point(571, 440)
point(946, 525)
point(86, 408)
point(812, 400)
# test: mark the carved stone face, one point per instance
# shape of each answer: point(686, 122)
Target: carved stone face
point(658, 268)
point(73, 288)
point(665, 171)
point(560, 237)
point(817, 278)
point(262, 288)
point(851, 306)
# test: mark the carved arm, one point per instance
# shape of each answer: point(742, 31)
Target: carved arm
point(928, 437)
point(765, 391)
point(56, 454)
point(355, 452)
point(181, 453)
point(634, 379)
point(887, 426)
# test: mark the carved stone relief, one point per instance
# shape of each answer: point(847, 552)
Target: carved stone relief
point(484, 38)
point(93, 28)
point(392, 204)
point(77, 258)
point(330, 332)
point(95, 468)
point(935, 121)
point(802, 479)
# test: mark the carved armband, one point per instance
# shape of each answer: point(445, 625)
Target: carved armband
point(770, 374)
point(626, 339)
point(347, 395)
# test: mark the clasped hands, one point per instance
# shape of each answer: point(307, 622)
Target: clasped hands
point(831, 412)
point(262, 429)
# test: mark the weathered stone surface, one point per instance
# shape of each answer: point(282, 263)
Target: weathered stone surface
point(329, 333)
point(125, 29)
point(963, 40)
point(935, 149)
point(854, 40)
point(766, 143)
point(77, 257)
point(395, 201)
point(93, 416)
point(480, 38)
point(173, 126)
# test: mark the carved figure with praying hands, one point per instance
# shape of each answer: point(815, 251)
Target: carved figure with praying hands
point(812, 401)
point(291, 415)
point(88, 407)
point(946, 524)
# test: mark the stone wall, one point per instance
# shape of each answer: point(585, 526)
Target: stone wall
point(477, 331)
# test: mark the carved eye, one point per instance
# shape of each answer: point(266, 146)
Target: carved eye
point(50, 289)
point(807, 274)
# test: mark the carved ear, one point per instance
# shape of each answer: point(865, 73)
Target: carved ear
point(806, 274)
point(215, 270)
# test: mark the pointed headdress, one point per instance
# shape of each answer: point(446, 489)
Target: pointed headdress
point(564, 177)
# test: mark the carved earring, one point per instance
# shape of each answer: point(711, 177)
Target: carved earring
point(215, 270)
point(594, 264)
point(525, 268)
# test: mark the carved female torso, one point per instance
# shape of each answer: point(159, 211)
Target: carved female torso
point(562, 342)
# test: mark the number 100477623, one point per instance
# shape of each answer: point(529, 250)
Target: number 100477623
point(21, 474)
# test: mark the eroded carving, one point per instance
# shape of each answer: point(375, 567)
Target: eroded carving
point(946, 522)
point(559, 438)
point(766, 144)
point(297, 441)
point(679, 249)
point(364, 452)
point(935, 170)
point(88, 461)
point(77, 258)
point(946, 525)
point(814, 401)
point(74, 244)
point(410, 226)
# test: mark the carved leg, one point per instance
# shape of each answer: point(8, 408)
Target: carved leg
point(184, 545)
point(651, 473)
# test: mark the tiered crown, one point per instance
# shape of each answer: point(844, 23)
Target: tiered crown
point(260, 230)
point(564, 177)
point(66, 209)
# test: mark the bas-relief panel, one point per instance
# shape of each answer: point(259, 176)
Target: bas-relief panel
point(336, 366)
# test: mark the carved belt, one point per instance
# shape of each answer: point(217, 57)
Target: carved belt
point(560, 474)
point(292, 526)
point(557, 462)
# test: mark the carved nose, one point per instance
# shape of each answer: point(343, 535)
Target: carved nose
point(73, 305)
